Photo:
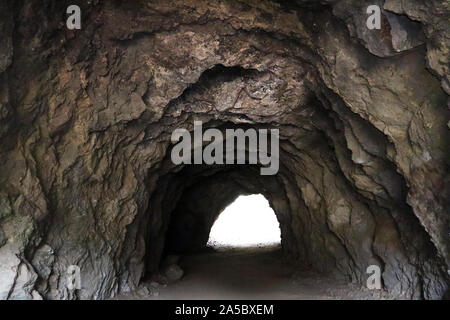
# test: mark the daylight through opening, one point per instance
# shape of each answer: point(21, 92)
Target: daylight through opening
point(249, 221)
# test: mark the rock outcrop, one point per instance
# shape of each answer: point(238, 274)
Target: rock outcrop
point(86, 118)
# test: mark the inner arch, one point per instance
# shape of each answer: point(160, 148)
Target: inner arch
point(248, 221)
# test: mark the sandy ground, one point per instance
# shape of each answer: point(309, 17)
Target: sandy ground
point(249, 273)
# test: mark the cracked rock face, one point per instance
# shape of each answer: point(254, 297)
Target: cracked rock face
point(86, 118)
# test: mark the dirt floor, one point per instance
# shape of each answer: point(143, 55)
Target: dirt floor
point(249, 273)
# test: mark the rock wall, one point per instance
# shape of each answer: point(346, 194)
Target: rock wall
point(86, 118)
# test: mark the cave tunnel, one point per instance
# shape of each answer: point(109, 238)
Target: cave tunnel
point(87, 175)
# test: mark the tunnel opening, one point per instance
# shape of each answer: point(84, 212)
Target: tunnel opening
point(86, 171)
point(248, 222)
point(327, 227)
point(192, 200)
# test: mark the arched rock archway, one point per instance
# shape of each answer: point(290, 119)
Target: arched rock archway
point(86, 118)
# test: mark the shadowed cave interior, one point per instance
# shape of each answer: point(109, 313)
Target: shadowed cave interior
point(86, 118)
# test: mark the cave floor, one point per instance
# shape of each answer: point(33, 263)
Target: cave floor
point(250, 273)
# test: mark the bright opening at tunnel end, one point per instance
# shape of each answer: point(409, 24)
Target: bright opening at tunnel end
point(248, 222)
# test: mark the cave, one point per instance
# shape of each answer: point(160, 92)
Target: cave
point(87, 117)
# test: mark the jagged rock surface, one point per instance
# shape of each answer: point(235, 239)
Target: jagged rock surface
point(86, 118)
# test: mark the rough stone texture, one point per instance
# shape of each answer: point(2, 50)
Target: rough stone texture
point(86, 118)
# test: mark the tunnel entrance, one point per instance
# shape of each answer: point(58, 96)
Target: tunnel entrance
point(87, 120)
point(248, 222)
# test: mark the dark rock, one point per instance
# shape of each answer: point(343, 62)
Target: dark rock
point(173, 272)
